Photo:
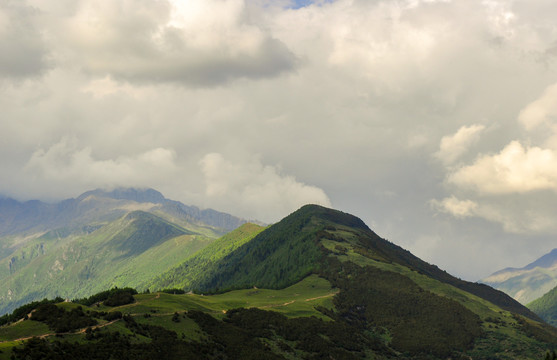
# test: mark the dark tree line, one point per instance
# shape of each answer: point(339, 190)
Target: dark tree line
point(112, 297)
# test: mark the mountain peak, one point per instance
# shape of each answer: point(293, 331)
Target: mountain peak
point(529, 282)
point(546, 261)
point(335, 216)
point(133, 194)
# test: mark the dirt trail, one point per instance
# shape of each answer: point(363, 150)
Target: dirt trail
point(293, 301)
point(324, 296)
point(276, 305)
point(80, 331)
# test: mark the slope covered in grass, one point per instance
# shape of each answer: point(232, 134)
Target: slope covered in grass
point(102, 238)
point(127, 252)
point(317, 284)
point(201, 264)
point(546, 307)
point(281, 255)
point(289, 250)
point(314, 239)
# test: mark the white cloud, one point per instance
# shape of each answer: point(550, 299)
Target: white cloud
point(515, 214)
point(541, 111)
point(455, 207)
point(516, 186)
point(453, 146)
point(515, 169)
point(65, 164)
point(257, 190)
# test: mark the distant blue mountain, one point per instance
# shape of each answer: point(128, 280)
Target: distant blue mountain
point(100, 205)
point(529, 282)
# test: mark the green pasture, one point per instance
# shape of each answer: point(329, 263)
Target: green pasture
point(159, 308)
point(297, 300)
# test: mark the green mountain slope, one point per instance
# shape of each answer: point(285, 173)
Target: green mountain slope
point(100, 239)
point(279, 256)
point(142, 232)
point(381, 285)
point(187, 274)
point(126, 252)
point(546, 306)
point(293, 248)
point(317, 285)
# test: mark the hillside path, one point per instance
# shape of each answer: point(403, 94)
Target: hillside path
point(80, 331)
point(293, 301)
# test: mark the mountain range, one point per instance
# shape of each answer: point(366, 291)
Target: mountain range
point(100, 239)
point(99, 206)
point(528, 283)
point(319, 284)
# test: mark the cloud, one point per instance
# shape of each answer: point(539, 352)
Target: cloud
point(65, 164)
point(350, 97)
point(516, 214)
point(541, 111)
point(194, 43)
point(515, 169)
point(251, 186)
point(23, 52)
point(515, 187)
point(453, 146)
point(455, 207)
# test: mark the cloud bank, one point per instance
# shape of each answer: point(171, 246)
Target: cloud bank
point(434, 121)
point(192, 43)
point(251, 187)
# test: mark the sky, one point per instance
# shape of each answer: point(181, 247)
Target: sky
point(434, 121)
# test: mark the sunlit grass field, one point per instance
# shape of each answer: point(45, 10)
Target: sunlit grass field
point(160, 309)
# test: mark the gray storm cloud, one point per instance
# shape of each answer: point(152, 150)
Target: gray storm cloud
point(196, 43)
point(24, 51)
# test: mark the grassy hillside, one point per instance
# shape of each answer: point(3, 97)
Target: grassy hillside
point(312, 319)
point(316, 285)
point(277, 257)
point(122, 237)
point(386, 283)
point(183, 319)
point(546, 307)
point(186, 274)
point(503, 334)
point(127, 252)
point(289, 250)
point(281, 255)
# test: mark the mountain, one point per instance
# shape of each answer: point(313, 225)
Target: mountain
point(546, 306)
point(528, 283)
point(125, 252)
point(291, 249)
point(382, 286)
point(187, 274)
point(101, 239)
point(319, 284)
point(17, 218)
